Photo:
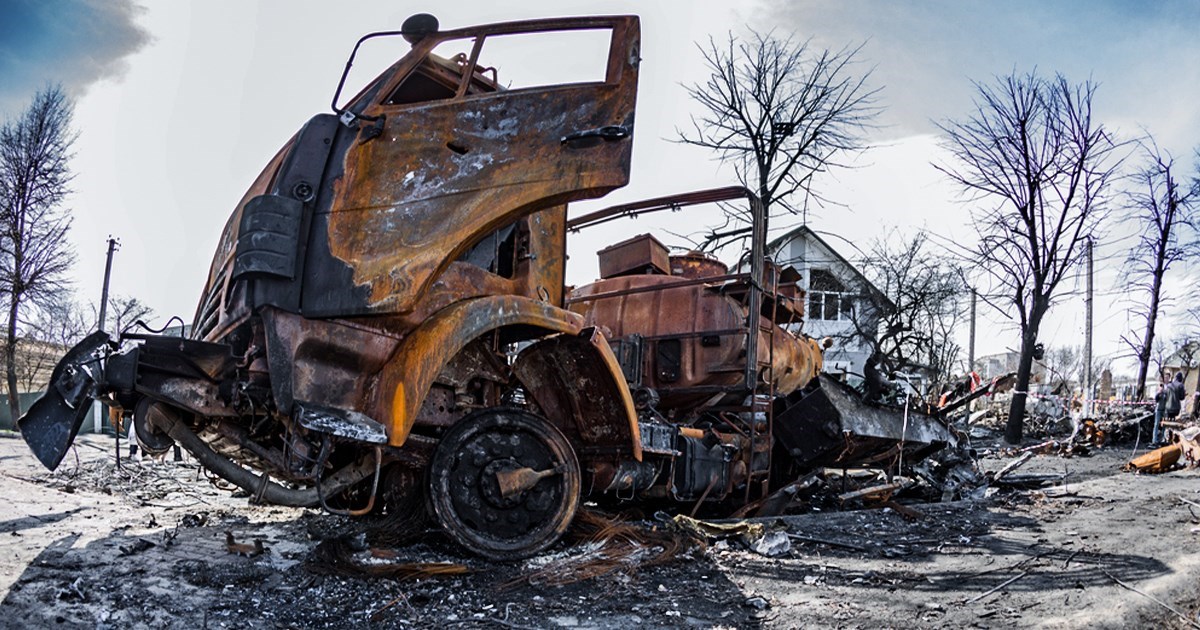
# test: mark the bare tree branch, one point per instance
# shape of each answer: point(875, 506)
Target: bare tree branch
point(909, 322)
point(54, 328)
point(780, 111)
point(126, 311)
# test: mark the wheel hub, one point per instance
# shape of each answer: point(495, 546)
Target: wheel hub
point(489, 483)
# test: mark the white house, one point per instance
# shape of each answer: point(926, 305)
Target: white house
point(833, 287)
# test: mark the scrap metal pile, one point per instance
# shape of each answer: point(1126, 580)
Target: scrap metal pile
point(385, 319)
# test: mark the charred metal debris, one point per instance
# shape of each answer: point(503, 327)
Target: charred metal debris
point(385, 320)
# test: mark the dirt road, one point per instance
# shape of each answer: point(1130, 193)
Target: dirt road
point(147, 546)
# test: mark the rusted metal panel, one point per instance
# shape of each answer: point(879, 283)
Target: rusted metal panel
point(415, 366)
point(423, 173)
point(642, 254)
point(327, 361)
point(540, 270)
point(577, 383)
point(656, 316)
point(1156, 461)
point(697, 265)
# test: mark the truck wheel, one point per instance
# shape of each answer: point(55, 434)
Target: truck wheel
point(504, 483)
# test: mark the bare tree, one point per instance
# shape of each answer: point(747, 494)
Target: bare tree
point(910, 320)
point(1064, 368)
point(780, 111)
point(61, 322)
point(1039, 169)
point(1187, 350)
point(54, 328)
point(35, 257)
point(1166, 219)
point(126, 311)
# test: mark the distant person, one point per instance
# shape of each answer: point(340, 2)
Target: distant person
point(1173, 397)
point(874, 383)
point(1160, 409)
point(1076, 410)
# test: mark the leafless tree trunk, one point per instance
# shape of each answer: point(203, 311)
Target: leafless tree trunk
point(35, 257)
point(1039, 169)
point(780, 112)
point(1163, 214)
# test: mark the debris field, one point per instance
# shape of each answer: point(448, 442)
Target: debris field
point(156, 545)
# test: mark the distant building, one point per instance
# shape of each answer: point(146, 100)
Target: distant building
point(34, 360)
point(181, 330)
point(1183, 359)
point(834, 288)
point(1002, 363)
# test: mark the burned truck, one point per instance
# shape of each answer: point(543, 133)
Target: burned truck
point(385, 325)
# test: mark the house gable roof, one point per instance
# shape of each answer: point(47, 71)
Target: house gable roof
point(806, 233)
point(1184, 356)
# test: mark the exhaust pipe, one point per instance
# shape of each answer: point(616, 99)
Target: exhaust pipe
point(259, 486)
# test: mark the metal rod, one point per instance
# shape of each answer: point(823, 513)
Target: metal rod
point(681, 282)
point(971, 342)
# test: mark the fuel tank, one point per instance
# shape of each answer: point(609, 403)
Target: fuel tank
point(693, 332)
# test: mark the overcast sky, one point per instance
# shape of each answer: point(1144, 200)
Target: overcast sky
point(181, 104)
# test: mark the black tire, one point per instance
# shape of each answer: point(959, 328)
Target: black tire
point(464, 492)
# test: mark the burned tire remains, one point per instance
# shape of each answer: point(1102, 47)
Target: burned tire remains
point(504, 483)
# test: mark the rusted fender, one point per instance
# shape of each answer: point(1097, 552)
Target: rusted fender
point(407, 377)
point(578, 384)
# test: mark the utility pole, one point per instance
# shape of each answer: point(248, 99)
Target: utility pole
point(1087, 339)
point(99, 410)
point(113, 244)
point(971, 342)
point(970, 359)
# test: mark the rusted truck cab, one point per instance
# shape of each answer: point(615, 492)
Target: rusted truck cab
point(434, 187)
point(364, 310)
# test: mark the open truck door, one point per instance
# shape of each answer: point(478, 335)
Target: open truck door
point(451, 146)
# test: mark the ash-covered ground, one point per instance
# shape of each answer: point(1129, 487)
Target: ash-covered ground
point(156, 545)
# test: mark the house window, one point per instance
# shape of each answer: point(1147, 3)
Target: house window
point(828, 298)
